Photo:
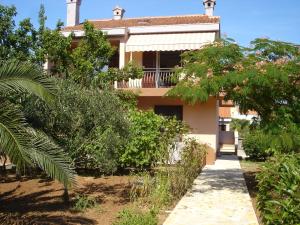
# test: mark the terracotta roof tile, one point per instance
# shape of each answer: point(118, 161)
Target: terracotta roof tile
point(149, 21)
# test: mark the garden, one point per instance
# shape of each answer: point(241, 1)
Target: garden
point(83, 153)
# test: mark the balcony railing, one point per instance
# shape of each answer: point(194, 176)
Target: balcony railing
point(153, 78)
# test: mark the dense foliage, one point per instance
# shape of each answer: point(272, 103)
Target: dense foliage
point(279, 190)
point(90, 56)
point(90, 124)
point(257, 145)
point(150, 138)
point(263, 78)
point(15, 42)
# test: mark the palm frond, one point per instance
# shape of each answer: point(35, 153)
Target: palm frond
point(52, 159)
point(23, 77)
point(14, 139)
point(21, 143)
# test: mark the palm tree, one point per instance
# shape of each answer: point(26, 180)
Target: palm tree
point(21, 143)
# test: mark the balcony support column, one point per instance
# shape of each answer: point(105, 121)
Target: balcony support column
point(122, 54)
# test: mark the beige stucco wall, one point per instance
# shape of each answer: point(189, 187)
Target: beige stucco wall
point(201, 118)
point(137, 57)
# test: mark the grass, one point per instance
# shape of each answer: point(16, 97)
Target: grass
point(137, 217)
point(83, 203)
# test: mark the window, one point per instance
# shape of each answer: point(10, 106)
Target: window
point(170, 111)
point(170, 59)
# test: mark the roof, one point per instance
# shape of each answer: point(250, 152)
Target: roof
point(148, 21)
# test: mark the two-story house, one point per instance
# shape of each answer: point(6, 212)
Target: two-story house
point(156, 43)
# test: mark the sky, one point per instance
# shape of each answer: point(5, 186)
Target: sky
point(242, 20)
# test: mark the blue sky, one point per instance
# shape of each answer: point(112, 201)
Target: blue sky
point(242, 20)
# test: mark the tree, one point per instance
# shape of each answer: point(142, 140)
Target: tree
point(91, 55)
point(263, 78)
point(83, 62)
point(24, 145)
point(15, 43)
point(7, 25)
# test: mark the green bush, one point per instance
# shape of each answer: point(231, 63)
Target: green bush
point(136, 217)
point(257, 145)
point(150, 138)
point(279, 190)
point(90, 124)
point(261, 143)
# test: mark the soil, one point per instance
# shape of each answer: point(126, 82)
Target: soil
point(250, 170)
point(37, 201)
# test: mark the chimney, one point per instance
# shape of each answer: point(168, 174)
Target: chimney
point(118, 13)
point(209, 6)
point(73, 10)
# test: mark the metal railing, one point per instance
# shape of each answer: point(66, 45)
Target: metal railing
point(153, 78)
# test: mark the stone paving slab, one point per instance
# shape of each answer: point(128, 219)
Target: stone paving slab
point(219, 197)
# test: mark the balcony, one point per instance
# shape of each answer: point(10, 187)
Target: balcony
point(153, 78)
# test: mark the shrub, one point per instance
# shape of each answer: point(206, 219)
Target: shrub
point(261, 143)
point(83, 202)
point(279, 190)
point(192, 161)
point(136, 217)
point(150, 138)
point(101, 152)
point(169, 183)
point(257, 145)
point(143, 147)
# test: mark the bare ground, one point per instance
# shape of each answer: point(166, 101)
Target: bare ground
point(39, 201)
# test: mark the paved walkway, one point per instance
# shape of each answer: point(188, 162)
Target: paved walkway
point(219, 197)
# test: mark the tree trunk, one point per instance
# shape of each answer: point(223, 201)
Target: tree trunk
point(66, 196)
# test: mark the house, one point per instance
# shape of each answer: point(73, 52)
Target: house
point(156, 43)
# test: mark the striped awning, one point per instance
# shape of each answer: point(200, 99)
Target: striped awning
point(168, 42)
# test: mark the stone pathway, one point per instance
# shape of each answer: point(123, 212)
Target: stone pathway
point(219, 197)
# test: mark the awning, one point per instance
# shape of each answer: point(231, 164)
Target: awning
point(168, 42)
